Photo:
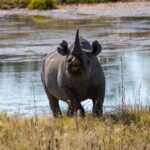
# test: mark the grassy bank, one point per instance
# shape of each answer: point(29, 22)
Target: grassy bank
point(49, 4)
point(126, 130)
point(44, 4)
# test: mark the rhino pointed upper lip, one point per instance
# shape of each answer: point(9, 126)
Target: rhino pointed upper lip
point(75, 61)
point(75, 65)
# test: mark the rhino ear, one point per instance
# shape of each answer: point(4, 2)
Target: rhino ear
point(63, 48)
point(96, 48)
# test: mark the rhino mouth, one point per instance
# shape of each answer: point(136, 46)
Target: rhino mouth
point(75, 68)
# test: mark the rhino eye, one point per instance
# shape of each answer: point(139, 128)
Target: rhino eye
point(88, 62)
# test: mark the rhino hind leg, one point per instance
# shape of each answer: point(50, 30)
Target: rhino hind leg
point(73, 108)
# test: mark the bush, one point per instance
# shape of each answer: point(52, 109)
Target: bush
point(42, 4)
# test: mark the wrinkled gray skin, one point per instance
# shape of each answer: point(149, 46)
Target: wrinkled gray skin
point(73, 74)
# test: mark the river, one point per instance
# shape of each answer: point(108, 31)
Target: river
point(24, 40)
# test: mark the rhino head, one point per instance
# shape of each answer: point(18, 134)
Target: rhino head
point(79, 56)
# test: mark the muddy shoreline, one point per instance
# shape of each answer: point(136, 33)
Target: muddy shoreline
point(85, 11)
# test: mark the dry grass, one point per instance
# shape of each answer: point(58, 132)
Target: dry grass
point(127, 130)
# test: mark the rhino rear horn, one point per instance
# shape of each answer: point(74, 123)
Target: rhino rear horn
point(96, 48)
point(63, 48)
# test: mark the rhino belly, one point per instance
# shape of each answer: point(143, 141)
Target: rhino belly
point(60, 94)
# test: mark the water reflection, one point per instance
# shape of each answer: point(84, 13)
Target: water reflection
point(25, 40)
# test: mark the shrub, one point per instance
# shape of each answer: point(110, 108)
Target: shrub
point(42, 4)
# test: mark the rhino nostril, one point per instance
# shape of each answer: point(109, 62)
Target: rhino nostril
point(69, 60)
point(75, 62)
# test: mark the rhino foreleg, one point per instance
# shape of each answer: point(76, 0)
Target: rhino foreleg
point(54, 105)
point(74, 106)
point(74, 103)
point(78, 107)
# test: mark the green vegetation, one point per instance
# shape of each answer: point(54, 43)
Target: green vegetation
point(43, 4)
point(46, 4)
point(126, 130)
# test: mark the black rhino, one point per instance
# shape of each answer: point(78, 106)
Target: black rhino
point(73, 74)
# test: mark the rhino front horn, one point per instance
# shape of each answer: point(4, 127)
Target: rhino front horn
point(77, 48)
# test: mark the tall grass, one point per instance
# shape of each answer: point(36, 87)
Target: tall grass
point(107, 133)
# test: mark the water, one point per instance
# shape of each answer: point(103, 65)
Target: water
point(24, 40)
